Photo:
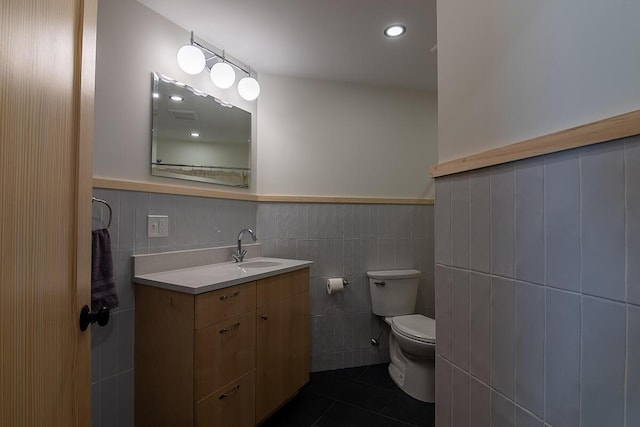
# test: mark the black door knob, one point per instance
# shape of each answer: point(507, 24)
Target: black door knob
point(88, 317)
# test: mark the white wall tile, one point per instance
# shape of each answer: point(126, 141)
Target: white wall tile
point(460, 318)
point(603, 221)
point(502, 411)
point(633, 366)
point(444, 389)
point(480, 326)
point(460, 221)
point(562, 354)
point(503, 336)
point(530, 262)
point(443, 219)
point(479, 404)
point(603, 362)
point(480, 221)
point(632, 213)
point(460, 395)
point(530, 347)
point(443, 311)
point(562, 220)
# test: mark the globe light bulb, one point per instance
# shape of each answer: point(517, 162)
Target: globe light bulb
point(248, 88)
point(222, 75)
point(191, 59)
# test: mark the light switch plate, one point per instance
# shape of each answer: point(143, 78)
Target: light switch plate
point(158, 225)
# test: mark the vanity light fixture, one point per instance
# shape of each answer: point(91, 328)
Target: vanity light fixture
point(222, 72)
point(395, 30)
point(177, 98)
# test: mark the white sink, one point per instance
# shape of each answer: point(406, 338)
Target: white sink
point(259, 264)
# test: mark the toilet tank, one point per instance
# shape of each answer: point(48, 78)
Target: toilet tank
point(393, 292)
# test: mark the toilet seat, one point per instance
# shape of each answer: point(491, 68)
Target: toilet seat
point(416, 327)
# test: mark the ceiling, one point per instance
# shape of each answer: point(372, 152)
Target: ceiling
point(339, 40)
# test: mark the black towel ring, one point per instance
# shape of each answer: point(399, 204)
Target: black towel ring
point(104, 202)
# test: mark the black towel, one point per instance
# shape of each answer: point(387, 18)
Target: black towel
point(103, 287)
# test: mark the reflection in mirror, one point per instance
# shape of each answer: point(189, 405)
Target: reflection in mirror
point(198, 137)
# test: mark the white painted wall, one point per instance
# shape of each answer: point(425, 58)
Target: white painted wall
point(323, 138)
point(311, 137)
point(132, 42)
point(201, 153)
point(509, 71)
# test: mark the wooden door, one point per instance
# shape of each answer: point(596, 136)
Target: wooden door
point(47, 57)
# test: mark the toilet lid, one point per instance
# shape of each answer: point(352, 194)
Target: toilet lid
point(415, 326)
point(393, 274)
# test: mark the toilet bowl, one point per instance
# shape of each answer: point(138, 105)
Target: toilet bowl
point(412, 337)
point(412, 347)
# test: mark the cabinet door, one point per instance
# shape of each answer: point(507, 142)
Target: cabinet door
point(282, 352)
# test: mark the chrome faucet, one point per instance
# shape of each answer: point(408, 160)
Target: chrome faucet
point(238, 255)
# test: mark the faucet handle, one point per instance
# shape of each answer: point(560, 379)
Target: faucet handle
point(238, 256)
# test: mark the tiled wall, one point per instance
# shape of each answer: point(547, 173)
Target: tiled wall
point(538, 291)
point(347, 240)
point(194, 222)
point(341, 239)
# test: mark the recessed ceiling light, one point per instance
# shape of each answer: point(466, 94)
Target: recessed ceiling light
point(395, 30)
point(195, 134)
point(176, 98)
point(156, 95)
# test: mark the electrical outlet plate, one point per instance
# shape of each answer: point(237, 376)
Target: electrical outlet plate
point(158, 225)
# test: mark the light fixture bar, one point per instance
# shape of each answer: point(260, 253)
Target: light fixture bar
point(216, 55)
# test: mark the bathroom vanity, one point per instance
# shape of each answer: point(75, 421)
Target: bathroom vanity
point(221, 344)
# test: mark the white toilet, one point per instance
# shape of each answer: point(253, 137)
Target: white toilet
point(412, 340)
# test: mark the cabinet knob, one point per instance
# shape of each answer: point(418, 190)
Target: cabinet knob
point(264, 317)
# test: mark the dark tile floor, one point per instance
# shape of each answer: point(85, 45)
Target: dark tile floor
point(354, 397)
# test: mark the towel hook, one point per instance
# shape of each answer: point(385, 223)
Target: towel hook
point(104, 202)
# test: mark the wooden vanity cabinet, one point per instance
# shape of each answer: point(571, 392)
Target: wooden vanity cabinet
point(198, 358)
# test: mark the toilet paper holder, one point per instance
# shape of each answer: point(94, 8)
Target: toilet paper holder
point(336, 285)
point(345, 281)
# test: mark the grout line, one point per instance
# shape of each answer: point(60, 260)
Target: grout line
point(626, 280)
point(324, 413)
point(544, 288)
point(581, 288)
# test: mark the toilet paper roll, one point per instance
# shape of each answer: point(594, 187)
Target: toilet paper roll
point(334, 286)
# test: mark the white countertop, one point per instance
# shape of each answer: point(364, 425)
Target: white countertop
point(210, 277)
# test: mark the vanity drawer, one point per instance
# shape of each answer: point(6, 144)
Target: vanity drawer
point(233, 405)
point(216, 306)
point(223, 352)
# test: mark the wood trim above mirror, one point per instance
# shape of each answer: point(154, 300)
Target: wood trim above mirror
point(151, 187)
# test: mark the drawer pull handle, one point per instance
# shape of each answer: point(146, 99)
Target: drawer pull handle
point(233, 391)
point(381, 283)
point(226, 297)
point(264, 317)
point(231, 328)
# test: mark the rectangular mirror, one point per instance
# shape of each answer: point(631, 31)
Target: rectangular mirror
point(198, 137)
